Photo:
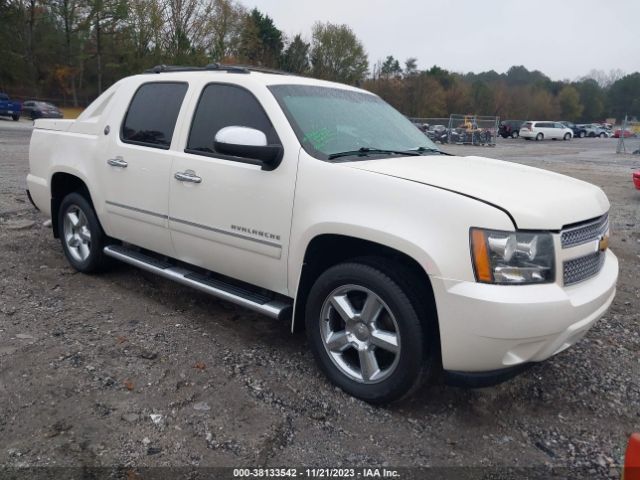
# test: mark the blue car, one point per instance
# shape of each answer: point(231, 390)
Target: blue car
point(9, 108)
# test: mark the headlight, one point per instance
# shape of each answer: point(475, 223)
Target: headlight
point(513, 258)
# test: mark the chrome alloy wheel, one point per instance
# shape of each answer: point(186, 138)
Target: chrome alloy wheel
point(360, 334)
point(77, 235)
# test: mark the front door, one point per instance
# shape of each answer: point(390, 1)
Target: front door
point(136, 167)
point(227, 215)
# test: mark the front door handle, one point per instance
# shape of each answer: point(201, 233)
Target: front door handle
point(187, 176)
point(117, 162)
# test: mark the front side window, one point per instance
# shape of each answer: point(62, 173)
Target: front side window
point(329, 121)
point(223, 105)
point(152, 114)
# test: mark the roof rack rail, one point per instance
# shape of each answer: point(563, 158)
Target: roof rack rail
point(211, 66)
point(214, 67)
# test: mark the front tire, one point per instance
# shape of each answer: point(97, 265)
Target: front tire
point(81, 235)
point(15, 118)
point(515, 134)
point(582, 134)
point(567, 136)
point(602, 135)
point(367, 333)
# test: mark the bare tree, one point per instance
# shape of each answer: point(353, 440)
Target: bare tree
point(223, 27)
point(71, 14)
point(185, 25)
point(144, 23)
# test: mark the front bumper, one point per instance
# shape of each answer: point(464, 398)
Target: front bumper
point(494, 327)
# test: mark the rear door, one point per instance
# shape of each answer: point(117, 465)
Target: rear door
point(136, 165)
point(551, 130)
point(547, 129)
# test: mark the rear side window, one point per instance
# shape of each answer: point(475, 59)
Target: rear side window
point(223, 105)
point(152, 114)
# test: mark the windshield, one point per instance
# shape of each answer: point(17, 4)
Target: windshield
point(331, 121)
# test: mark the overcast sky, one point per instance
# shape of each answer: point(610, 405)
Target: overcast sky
point(562, 38)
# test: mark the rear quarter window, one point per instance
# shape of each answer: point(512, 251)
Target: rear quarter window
point(151, 117)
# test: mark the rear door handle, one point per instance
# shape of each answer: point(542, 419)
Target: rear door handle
point(187, 176)
point(117, 162)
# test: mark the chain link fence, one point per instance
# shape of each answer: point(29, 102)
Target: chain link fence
point(460, 129)
point(628, 136)
point(473, 130)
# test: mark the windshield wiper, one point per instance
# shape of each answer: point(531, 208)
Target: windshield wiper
point(430, 150)
point(365, 151)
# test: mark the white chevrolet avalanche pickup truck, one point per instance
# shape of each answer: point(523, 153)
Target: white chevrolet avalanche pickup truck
point(319, 203)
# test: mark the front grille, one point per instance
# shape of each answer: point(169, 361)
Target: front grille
point(581, 268)
point(585, 232)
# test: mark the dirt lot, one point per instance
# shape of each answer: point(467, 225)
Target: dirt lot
point(128, 369)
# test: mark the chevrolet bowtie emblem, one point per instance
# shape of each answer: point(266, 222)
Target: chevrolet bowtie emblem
point(603, 244)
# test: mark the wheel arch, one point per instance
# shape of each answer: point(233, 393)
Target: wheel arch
point(63, 183)
point(326, 250)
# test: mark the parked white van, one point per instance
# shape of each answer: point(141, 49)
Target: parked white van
point(545, 130)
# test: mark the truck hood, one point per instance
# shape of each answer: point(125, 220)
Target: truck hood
point(534, 198)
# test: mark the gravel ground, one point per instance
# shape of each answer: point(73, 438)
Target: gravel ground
point(128, 369)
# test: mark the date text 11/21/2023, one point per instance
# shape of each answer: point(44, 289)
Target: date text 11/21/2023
point(316, 473)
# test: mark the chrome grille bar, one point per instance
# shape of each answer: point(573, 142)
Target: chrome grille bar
point(584, 233)
point(582, 268)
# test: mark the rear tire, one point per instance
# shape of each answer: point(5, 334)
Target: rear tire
point(81, 235)
point(539, 137)
point(582, 134)
point(377, 354)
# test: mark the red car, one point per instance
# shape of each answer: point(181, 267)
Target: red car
point(632, 459)
point(626, 133)
point(636, 179)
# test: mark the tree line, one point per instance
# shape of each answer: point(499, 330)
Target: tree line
point(72, 50)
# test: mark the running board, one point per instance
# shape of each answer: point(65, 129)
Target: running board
point(244, 297)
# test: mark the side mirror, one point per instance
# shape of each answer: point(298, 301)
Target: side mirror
point(250, 144)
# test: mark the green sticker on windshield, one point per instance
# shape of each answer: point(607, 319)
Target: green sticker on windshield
point(318, 138)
